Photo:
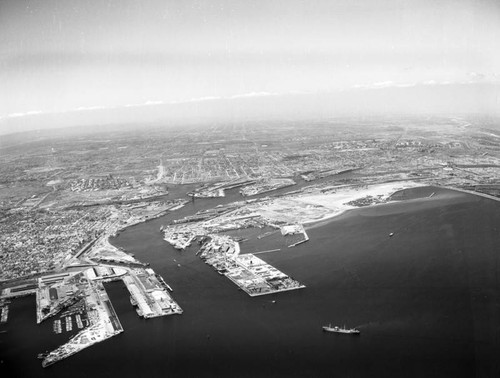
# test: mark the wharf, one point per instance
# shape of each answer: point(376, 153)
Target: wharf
point(79, 323)
point(268, 251)
point(84, 339)
point(57, 326)
point(150, 293)
point(248, 272)
point(179, 238)
point(19, 291)
point(68, 324)
point(103, 324)
point(253, 293)
point(47, 308)
point(5, 313)
point(296, 244)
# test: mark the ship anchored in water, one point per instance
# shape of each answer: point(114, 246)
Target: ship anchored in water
point(352, 331)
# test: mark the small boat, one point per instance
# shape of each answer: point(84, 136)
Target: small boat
point(391, 234)
point(133, 301)
point(336, 329)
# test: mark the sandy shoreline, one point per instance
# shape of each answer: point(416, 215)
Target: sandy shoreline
point(313, 208)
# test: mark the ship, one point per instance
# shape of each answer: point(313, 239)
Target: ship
point(336, 329)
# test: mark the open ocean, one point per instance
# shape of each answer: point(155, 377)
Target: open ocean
point(425, 300)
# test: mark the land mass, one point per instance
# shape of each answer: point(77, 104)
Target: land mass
point(59, 207)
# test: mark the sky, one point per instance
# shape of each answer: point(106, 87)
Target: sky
point(79, 56)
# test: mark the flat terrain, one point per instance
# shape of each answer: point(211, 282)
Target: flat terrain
point(416, 272)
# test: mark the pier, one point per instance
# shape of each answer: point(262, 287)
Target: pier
point(4, 308)
point(268, 251)
point(150, 293)
point(251, 274)
point(102, 324)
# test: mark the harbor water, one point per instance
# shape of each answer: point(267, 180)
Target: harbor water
point(425, 299)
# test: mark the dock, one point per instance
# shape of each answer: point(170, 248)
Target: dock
point(5, 312)
point(251, 274)
point(268, 251)
point(102, 321)
point(150, 293)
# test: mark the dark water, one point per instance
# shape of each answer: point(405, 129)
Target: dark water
point(426, 301)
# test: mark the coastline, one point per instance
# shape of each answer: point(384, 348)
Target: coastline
point(337, 201)
point(371, 309)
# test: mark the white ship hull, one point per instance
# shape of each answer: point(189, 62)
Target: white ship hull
point(351, 331)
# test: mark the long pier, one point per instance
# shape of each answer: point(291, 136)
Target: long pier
point(268, 251)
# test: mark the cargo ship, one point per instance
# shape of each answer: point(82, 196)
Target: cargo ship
point(336, 329)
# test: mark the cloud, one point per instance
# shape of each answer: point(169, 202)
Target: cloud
point(254, 94)
point(158, 102)
point(143, 104)
point(198, 99)
point(19, 115)
point(382, 84)
point(477, 75)
point(390, 84)
point(80, 108)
